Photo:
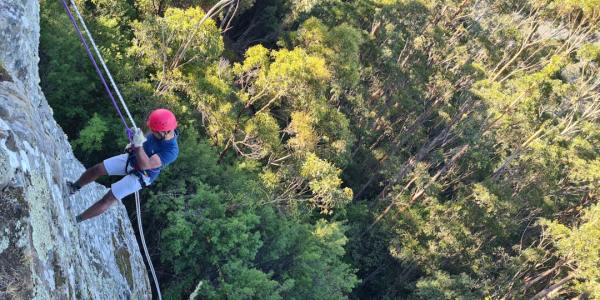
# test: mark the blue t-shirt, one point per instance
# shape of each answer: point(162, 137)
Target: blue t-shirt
point(167, 150)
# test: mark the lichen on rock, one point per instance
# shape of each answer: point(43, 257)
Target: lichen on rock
point(4, 76)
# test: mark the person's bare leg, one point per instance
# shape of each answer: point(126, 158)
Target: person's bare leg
point(97, 208)
point(90, 175)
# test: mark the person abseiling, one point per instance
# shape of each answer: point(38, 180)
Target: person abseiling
point(140, 166)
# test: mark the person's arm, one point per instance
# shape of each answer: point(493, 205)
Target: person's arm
point(144, 162)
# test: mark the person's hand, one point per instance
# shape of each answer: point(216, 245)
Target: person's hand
point(138, 138)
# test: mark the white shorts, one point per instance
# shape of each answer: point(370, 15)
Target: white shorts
point(130, 183)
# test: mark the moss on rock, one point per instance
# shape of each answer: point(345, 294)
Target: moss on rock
point(123, 258)
point(4, 76)
point(15, 275)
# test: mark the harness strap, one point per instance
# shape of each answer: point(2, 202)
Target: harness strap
point(140, 178)
point(134, 171)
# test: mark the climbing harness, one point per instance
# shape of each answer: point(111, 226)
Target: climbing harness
point(138, 173)
point(127, 129)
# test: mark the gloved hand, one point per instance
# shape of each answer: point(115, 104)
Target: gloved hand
point(138, 138)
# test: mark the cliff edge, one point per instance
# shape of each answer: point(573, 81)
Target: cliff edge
point(43, 253)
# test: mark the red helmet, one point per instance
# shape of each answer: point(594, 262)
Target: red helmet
point(162, 120)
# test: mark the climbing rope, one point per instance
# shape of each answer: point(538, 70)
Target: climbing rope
point(91, 56)
point(129, 132)
point(139, 220)
point(112, 81)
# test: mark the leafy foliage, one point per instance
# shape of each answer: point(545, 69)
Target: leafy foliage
point(367, 149)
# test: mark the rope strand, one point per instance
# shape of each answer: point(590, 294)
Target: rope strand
point(112, 81)
point(139, 219)
point(91, 56)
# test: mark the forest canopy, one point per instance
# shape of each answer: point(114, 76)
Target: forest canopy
point(366, 149)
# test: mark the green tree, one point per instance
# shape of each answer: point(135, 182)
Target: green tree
point(578, 250)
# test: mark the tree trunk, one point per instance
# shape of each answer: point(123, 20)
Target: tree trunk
point(553, 288)
point(451, 163)
point(530, 283)
point(420, 155)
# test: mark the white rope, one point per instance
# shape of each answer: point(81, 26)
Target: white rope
point(114, 85)
point(139, 219)
point(137, 195)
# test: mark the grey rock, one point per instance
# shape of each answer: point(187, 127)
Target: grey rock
point(43, 253)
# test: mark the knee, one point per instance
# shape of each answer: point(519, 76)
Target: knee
point(99, 169)
point(108, 199)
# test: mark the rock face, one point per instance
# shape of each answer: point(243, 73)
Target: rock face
point(43, 253)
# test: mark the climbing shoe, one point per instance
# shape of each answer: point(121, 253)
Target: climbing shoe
point(72, 187)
